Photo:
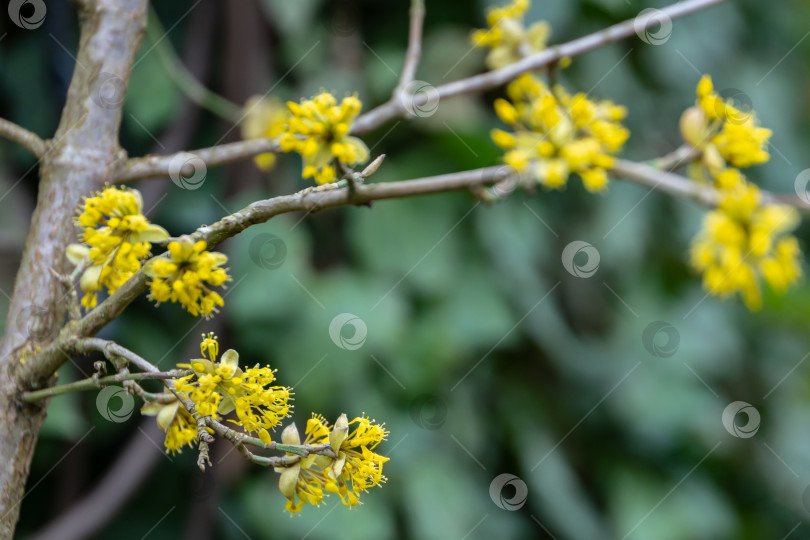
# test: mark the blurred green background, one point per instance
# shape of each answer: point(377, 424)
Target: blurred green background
point(479, 351)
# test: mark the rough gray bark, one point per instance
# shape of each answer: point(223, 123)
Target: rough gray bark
point(82, 155)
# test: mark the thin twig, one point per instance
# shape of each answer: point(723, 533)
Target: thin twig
point(184, 79)
point(27, 139)
point(239, 440)
point(414, 50)
point(96, 383)
point(680, 186)
point(111, 350)
point(665, 181)
point(151, 166)
point(680, 156)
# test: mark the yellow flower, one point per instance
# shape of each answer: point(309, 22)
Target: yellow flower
point(303, 482)
point(117, 237)
point(318, 129)
point(556, 134)
point(185, 275)
point(221, 387)
point(506, 36)
point(356, 469)
point(264, 117)
point(726, 135)
point(743, 242)
point(175, 420)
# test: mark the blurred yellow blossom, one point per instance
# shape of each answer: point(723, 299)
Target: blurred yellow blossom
point(744, 242)
point(318, 129)
point(726, 135)
point(507, 38)
point(556, 134)
point(264, 117)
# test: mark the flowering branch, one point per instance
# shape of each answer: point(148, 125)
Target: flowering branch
point(152, 166)
point(395, 108)
point(239, 440)
point(114, 352)
point(340, 194)
point(27, 139)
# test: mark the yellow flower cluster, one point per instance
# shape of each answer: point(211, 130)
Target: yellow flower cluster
point(264, 117)
point(185, 274)
point(356, 469)
point(507, 38)
point(219, 388)
point(175, 420)
point(744, 242)
point(725, 135)
point(117, 237)
point(556, 134)
point(318, 129)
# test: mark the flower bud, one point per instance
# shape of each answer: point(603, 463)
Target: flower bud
point(339, 433)
point(693, 126)
point(290, 435)
point(76, 253)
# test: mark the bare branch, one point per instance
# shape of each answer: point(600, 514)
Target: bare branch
point(414, 51)
point(329, 196)
point(112, 351)
point(184, 79)
point(395, 108)
point(668, 182)
point(152, 165)
point(27, 139)
point(96, 383)
point(669, 162)
point(240, 440)
point(680, 186)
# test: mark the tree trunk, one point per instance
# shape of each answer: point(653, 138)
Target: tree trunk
point(80, 157)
